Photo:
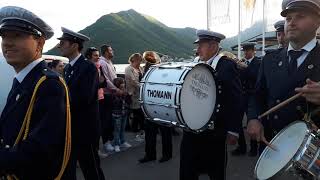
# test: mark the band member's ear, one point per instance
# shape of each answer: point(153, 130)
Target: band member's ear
point(41, 41)
point(75, 45)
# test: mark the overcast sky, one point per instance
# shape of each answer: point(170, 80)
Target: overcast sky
point(76, 14)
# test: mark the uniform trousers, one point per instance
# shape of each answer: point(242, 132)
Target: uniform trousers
point(151, 130)
point(203, 153)
point(89, 161)
point(107, 122)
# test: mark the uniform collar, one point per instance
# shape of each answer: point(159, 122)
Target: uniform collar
point(25, 71)
point(308, 47)
point(73, 61)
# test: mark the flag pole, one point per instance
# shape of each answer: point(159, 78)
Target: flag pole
point(239, 31)
point(263, 29)
point(208, 14)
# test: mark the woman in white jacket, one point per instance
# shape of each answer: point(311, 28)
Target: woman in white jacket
point(133, 75)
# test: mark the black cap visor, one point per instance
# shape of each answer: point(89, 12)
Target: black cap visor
point(19, 26)
point(301, 6)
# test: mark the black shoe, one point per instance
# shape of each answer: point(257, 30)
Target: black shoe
point(238, 152)
point(253, 153)
point(164, 159)
point(146, 159)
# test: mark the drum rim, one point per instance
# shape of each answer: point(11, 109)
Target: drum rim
point(289, 164)
point(212, 118)
point(142, 85)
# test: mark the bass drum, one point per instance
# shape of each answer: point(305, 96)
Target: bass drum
point(181, 94)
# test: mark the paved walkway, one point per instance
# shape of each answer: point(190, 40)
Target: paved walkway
point(124, 165)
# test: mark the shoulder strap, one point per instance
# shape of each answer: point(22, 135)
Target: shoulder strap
point(216, 60)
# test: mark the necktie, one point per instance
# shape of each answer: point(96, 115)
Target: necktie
point(68, 71)
point(15, 85)
point(294, 55)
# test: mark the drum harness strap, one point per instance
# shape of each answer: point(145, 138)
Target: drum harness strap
point(215, 61)
point(25, 128)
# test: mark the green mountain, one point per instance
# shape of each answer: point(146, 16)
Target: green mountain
point(130, 32)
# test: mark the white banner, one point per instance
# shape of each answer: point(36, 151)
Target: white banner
point(223, 16)
point(273, 10)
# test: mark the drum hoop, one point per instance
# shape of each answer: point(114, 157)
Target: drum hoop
point(178, 102)
point(178, 96)
point(215, 112)
point(142, 88)
point(289, 164)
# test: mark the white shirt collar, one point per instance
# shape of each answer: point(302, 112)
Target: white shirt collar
point(308, 47)
point(213, 62)
point(25, 71)
point(249, 60)
point(73, 61)
point(210, 61)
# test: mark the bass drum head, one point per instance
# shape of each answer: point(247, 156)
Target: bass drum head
point(198, 97)
point(287, 142)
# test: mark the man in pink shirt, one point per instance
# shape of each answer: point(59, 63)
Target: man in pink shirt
point(109, 72)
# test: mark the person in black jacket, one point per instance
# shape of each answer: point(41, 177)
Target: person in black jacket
point(206, 152)
point(248, 67)
point(32, 141)
point(287, 71)
point(81, 76)
point(152, 128)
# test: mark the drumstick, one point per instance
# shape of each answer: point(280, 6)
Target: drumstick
point(269, 145)
point(263, 139)
point(280, 105)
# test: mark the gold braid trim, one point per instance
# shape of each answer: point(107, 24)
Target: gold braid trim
point(26, 125)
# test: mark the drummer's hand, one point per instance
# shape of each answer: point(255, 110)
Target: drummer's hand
point(254, 129)
point(232, 139)
point(311, 91)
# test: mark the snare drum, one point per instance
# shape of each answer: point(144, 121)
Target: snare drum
point(297, 153)
point(181, 94)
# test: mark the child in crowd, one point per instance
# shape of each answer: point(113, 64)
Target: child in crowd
point(119, 115)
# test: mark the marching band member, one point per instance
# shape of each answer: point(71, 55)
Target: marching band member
point(35, 123)
point(281, 38)
point(286, 71)
point(206, 152)
point(81, 76)
point(248, 68)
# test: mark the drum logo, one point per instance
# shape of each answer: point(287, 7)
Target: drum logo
point(200, 85)
point(159, 94)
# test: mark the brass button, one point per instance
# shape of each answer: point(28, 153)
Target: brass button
point(298, 108)
point(278, 101)
point(275, 117)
